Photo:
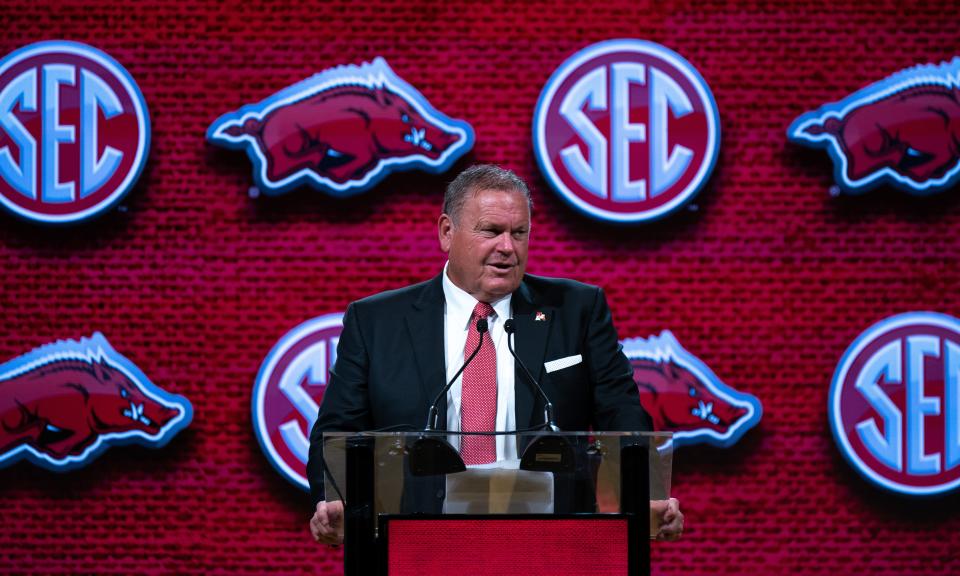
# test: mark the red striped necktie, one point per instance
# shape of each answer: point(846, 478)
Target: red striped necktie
point(478, 398)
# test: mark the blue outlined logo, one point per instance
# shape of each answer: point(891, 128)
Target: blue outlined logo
point(902, 131)
point(342, 131)
point(64, 403)
point(74, 132)
point(682, 395)
point(626, 131)
point(288, 391)
point(894, 404)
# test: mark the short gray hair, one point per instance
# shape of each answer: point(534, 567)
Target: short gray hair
point(481, 177)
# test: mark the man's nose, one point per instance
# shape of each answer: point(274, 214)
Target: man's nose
point(505, 243)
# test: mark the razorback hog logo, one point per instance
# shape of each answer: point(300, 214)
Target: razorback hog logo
point(64, 403)
point(685, 397)
point(342, 131)
point(903, 131)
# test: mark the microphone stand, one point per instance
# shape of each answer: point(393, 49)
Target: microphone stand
point(546, 452)
point(431, 454)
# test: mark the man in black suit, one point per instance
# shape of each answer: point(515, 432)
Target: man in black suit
point(398, 348)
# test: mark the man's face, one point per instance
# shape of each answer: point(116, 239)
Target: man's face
point(487, 247)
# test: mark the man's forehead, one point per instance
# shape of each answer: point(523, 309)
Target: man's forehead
point(486, 197)
point(480, 190)
point(491, 209)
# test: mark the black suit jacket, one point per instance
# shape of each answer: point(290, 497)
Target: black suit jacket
point(390, 363)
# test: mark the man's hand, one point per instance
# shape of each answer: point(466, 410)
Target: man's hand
point(327, 523)
point(669, 517)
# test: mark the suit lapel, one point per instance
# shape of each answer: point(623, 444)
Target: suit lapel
point(530, 343)
point(425, 326)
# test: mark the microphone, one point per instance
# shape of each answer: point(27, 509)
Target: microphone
point(430, 455)
point(547, 452)
point(510, 327)
point(433, 414)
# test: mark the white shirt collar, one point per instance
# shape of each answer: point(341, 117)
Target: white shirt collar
point(460, 304)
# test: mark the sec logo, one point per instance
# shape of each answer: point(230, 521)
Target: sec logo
point(895, 404)
point(626, 131)
point(288, 390)
point(74, 132)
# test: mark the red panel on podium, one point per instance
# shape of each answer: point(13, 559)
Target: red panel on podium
point(494, 547)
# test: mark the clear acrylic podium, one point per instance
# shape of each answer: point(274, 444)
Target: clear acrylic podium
point(570, 503)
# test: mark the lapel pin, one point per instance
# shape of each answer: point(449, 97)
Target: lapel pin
point(541, 317)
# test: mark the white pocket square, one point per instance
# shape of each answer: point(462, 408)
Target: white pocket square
point(561, 363)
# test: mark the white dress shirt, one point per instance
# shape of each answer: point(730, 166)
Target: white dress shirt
point(457, 312)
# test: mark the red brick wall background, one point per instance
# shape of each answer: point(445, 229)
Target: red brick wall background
point(767, 280)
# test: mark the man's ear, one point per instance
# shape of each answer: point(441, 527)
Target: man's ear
point(445, 232)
